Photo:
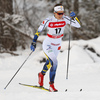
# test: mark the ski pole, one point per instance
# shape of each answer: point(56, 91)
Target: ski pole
point(18, 70)
point(68, 52)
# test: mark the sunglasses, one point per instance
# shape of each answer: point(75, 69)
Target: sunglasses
point(60, 13)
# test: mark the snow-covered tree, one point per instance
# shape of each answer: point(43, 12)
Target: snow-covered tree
point(19, 19)
point(6, 34)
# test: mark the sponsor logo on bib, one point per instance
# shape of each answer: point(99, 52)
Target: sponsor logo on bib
point(56, 24)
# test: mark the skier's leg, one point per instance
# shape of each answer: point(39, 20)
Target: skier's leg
point(53, 64)
point(52, 75)
point(47, 66)
point(53, 69)
point(50, 63)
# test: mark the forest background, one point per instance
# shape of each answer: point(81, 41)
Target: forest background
point(19, 20)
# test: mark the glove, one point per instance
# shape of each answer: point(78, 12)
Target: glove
point(33, 46)
point(72, 15)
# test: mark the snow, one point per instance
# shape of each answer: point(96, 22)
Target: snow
point(84, 73)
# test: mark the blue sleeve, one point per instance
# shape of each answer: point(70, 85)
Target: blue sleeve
point(36, 36)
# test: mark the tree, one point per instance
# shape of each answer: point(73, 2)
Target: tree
point(89, 15)
point(7, 41)
point(6, 6)
point(18, 26)
point(76, 6)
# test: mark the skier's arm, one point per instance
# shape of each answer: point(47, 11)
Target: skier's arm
point(33, 44)
point(73, 20)
point(40, 29)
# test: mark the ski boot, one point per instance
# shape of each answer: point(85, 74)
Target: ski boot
point(52, 88)
point(40, 79)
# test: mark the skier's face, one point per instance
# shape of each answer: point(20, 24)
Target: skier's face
point(59, 14)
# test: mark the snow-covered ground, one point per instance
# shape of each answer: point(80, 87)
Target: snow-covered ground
point(84, 73)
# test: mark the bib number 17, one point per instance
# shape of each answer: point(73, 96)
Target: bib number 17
point(58, 30)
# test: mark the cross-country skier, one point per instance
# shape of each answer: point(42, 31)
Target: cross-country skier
point(52, 43)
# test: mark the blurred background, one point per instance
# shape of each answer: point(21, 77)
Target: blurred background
point(19, 20)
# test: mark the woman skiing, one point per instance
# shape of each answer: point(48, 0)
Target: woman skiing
point(52, 43)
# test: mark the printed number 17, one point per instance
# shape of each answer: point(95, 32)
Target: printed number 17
point(58, 30)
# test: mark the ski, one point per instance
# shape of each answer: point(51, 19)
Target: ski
point(79, 90)
point(35, 86)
